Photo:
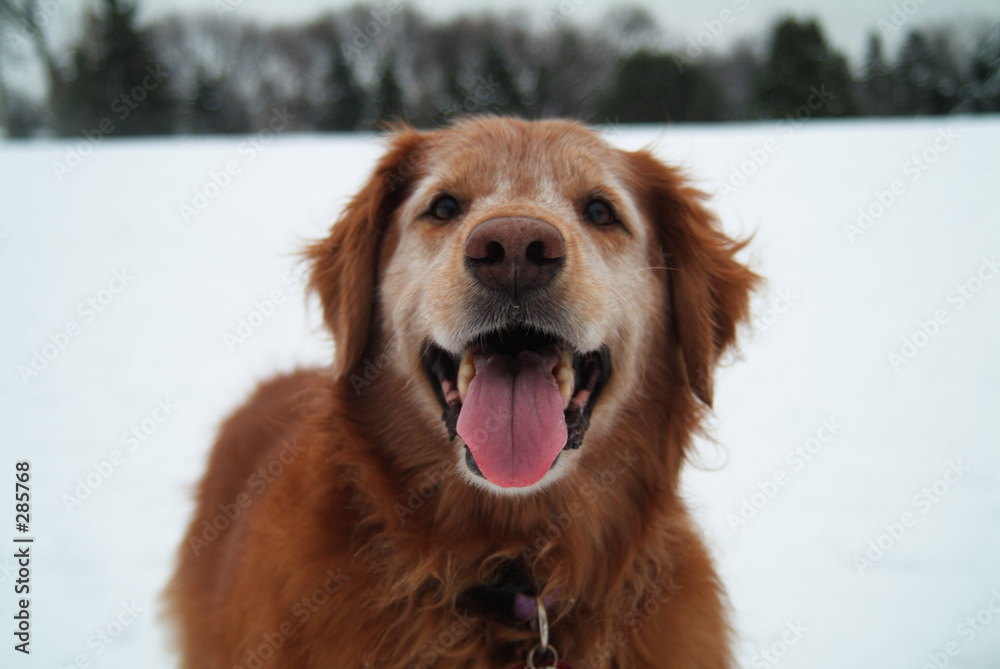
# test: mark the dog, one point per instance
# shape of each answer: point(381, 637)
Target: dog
point(526, 322)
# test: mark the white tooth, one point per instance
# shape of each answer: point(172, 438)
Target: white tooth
point(566, 388)
point(566, 356)
point(564, 373)
point(463, 385)
point(465, 375)
point(466, 372)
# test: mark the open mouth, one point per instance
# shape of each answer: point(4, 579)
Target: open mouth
point(518, 398)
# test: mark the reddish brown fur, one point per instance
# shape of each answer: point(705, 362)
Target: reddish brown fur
point(370, 505)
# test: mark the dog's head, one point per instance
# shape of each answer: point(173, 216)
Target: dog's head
point(530, 276)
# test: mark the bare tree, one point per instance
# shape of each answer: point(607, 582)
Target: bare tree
point(21, 20)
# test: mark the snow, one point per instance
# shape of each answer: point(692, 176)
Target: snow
point(906, 448)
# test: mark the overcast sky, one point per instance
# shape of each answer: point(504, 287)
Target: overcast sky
point(846, 22)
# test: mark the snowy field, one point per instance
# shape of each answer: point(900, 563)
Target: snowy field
point(853, 500)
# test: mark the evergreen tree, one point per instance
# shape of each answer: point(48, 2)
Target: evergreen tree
point(926, 78)
point(118, 78)
point(538, 105)
point(877, 88)
point(204, 110)
point(803, 76)
point(451, 98)
point(25, 117)
point(984, 75)
point(495, 70)
point(734, 76)
point(214, 109)
point(81, 106)
point(347, 99)
point(572, 72)
point(650, 88)
point(389, 99)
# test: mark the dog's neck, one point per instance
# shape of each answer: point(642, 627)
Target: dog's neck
point(498, 599)
point(590, 512)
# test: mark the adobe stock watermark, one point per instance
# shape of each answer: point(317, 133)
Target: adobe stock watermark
point(219, 180)
point(405, 169)
point(901, 13)
point(760, 155)
point(88, 310)
point(480, 97)
point(261, 651)
point(967, 631)
point(435, 649)
point(959, 296)
point(923, 501)
point(665, 591)
point(106, 636)
point(292, 280)
point(765, 317)
point(483, 95)
point(362, 37)
point(224, 7)
point(609, 128)
point(122, 107)
point(771, 655)
point(915, 167)
point(797, 458)
point(419, 494)
point(371, 370)
point(7, 570)
point(602, 654)
point(256, 485)
point(562, 12)
point(601, 484)
point(262, 311)
point(132, 439)
point(24, 28)
point(711, 30)
point(596, 488)
point(559, 524)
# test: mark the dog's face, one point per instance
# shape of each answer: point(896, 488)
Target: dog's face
point(521, 270)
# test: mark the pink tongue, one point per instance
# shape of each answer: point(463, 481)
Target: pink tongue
point(512, 418)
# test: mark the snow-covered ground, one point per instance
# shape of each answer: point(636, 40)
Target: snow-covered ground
point(853, 499)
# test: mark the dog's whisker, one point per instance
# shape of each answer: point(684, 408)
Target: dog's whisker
point(654, 267)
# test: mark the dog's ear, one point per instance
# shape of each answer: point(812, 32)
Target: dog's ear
point(345, 264)
point(709, 290)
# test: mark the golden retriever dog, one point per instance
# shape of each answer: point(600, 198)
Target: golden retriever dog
point(526, 324)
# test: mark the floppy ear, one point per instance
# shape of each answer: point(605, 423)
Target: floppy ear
point(709, 290)
point(345, 264)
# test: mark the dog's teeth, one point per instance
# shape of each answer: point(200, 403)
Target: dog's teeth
point(566, 389)
point(466, 372)
point(465, 375)
point(565, 377)
point(564, 373)
point(566, 356)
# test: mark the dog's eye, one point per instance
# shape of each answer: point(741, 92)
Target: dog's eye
point(598, 212)
point(445, 208)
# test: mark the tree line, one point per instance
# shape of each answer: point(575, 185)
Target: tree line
point(358, 68)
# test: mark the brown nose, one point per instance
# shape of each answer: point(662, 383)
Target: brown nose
point(515, 254)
